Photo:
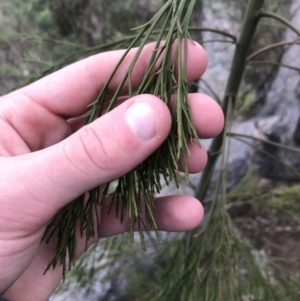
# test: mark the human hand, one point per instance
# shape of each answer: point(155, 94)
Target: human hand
point(48, 158)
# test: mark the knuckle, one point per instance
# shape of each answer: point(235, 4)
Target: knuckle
point(96, 147)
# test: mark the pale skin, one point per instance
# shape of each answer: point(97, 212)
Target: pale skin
point(48, 158)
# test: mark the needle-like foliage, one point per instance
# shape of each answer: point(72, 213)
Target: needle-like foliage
point(133, 197)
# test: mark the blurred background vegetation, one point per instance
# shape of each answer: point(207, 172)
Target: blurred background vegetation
point(37, 34)
point(256, 258)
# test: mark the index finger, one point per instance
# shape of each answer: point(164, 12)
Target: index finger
point(70, 90)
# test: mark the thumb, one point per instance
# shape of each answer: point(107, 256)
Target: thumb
point(99, 152)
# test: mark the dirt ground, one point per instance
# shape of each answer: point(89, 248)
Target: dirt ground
point(278, 237)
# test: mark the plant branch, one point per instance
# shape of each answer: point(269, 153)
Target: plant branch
point(144, 181)
point(221, 32)
point(288, 148)
point(276, 159)
point(208, 29)
point(211, 90)
point(275, 64)
point(238, 66)
point(216, 41)
point(282, 20)
point(275, 45)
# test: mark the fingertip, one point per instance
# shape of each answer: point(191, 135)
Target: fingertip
point(197, 159)
point(197, 58)
point(207, 115)
point(172, 213)
point(178, 213)
point(197, 61)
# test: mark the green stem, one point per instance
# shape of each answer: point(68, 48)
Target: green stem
point(221, 32)
point(238, 66)
point(275, 64)
point(216, 41)
point(275, 45)
point(282, 20)
point(288, 148)
point(211, 90)
point(276, 159)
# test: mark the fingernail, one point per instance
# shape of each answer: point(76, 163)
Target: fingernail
point(142, 119)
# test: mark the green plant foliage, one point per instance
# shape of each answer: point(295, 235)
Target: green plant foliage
point(27, 33)
point(142, 183)
point(216, 261)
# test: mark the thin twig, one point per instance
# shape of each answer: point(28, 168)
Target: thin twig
point(272, 46)
point(275, 64)
point(282, 20)
point(292, 149)
point(211, 90)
